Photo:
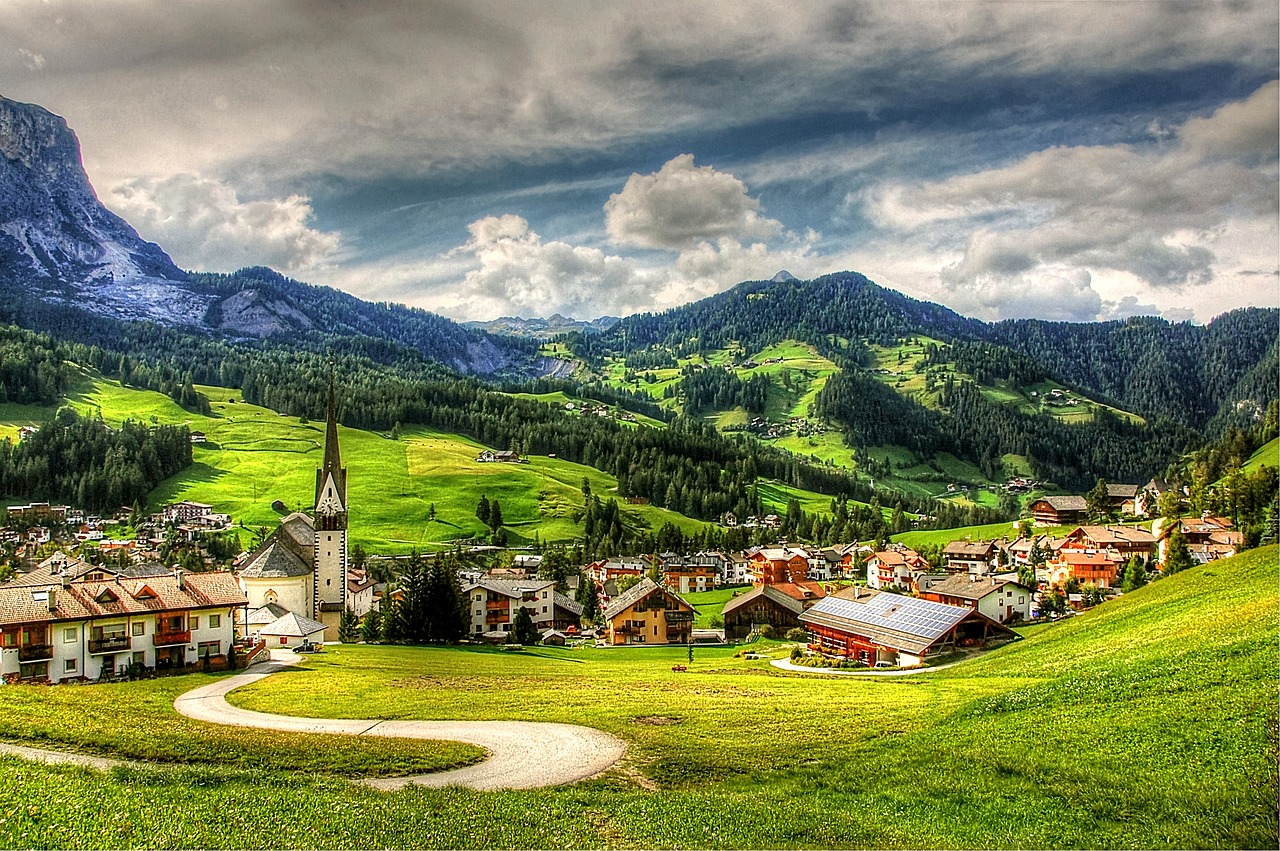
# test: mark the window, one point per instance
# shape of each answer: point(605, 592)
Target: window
point(209, 648)
point(479, 597)
point(284, 639)
point(70, 634)
point(1022, 600)
point(215, 621)
point(544, 610)
point(139, 628)
point(69, 666)
point(195, 621)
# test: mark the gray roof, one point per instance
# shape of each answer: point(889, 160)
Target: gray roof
point(288, 551)
point(266, 614)
point(292, 624)
point(1121, 491)
point(638, 592)
point(511, 587)
point(903, 623)
point(1066, 503)
point(568, 604)
point(965, 588)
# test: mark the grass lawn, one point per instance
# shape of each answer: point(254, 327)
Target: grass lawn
point(709, 604)
point(1149, 722)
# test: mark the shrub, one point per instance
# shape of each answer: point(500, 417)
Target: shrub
point(767, 631)
point(798, 634)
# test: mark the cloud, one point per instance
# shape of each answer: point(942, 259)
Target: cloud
point(34, 61)
point(682, 204)
point(205, 226)
point(517, 272)
point(1157, 214)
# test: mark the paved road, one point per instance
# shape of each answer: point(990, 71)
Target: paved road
point(522, 754)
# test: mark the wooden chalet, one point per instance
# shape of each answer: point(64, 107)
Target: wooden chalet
point(1059, 510)
point(1098, 568)
point(896, 630)
point(1208, 538)
point(969, 556)
point(776, 605)
point(647, 613)
point(1125, 540)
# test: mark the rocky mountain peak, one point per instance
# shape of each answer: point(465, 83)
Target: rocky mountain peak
point(60, 242)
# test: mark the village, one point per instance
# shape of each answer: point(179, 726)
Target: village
point(89, 604)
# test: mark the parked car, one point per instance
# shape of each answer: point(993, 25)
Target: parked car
point(307, 647)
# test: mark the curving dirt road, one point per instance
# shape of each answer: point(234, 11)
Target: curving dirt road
point(522, 754)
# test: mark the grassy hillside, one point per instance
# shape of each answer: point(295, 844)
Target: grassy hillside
point(255, 456)
point(1268, 455)
point(1149, 722)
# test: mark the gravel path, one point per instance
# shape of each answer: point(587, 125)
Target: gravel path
point(522, 754)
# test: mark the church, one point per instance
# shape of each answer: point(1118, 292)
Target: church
point(301, 568)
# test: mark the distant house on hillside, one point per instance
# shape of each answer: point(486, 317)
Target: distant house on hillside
point(505, 456)
point(969, 556)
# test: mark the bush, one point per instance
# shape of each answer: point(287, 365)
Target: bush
point(796, 653)
point(767, 631)
point(798, 634)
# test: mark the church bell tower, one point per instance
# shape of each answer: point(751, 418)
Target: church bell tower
point(330, 589)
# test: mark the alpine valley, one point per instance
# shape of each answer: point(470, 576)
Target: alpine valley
point(781, 396)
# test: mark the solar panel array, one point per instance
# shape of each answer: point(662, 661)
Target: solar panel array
point(910, 615)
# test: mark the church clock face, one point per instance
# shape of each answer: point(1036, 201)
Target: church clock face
point(328, 503)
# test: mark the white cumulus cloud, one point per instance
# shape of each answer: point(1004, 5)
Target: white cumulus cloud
point(204, 226)
point(682, 204)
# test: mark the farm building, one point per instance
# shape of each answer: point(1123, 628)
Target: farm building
point(1059, 510)
point(897, 630)
point(764, 604)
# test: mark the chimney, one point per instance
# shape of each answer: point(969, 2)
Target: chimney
point(53, 599)
point(177, 574)
point(66, 578)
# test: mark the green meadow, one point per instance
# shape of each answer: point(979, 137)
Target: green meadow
point(1149, 722)
point(254, 456)
point(1268, 455)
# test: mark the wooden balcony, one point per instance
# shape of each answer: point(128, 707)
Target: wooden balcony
point(35, 653)
point(678, 616)
point(114, 644)
point(162, 639)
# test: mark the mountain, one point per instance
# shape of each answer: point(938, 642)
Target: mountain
point(63, 254)
point(60, 241)
point(542, 329)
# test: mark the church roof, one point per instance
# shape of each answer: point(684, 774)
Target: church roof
point(275, 560)
point(266, 614)
point(294, 625)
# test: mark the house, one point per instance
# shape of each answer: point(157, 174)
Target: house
point(292, 629)
point(969, 556)
point(1126, 540)
point(1002, 600)
point(684, 578)
point(1123, 498)
point(896, 630)
point(1146, 502)
point(1087, 566)
point(198, 437)
point(360, 591)
point(770, 565)
point(185, 512)
point(493, 603)
point(26, 431)
point(566, 613)
point(764, 604)
point(506, 456)
point(894, 566)
point(647, 613)
point(1059, 510)
point(37, 512)
point(87, 622)
point(1208, 538)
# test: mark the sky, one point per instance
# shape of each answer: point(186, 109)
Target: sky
point(1061, 160)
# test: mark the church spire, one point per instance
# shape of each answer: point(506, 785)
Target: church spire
point(331, 478)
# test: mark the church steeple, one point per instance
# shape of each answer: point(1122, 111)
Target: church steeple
point(331, 478)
